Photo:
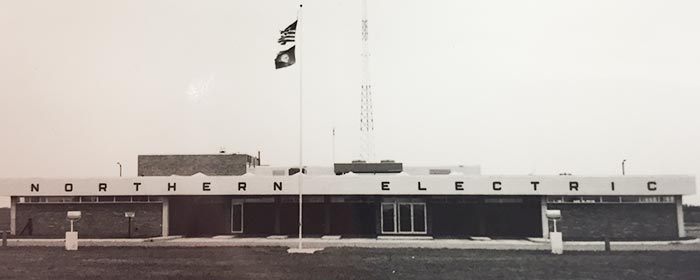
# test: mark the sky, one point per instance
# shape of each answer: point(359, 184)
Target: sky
point(518, 87)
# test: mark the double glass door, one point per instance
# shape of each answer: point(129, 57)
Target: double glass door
point(404, 217)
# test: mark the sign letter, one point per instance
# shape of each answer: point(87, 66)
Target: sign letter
point(35, 187)
point(497, 186)
point(458, 186)
point(205, 186)
point(421, 188)
point(137, 185)
point(241, 186)
point(171, 186)
point(573, 186)
point(534, 184)
point(277, 186)
point(68, 187)
point(385, 186)
point(612, 186)
point(102, 187)
point(651, 186)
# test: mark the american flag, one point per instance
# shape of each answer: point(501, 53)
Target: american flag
point(288, 34)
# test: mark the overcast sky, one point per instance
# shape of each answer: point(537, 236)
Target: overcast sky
point(519, 87)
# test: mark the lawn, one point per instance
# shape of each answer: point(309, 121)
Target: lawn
point(339, 263)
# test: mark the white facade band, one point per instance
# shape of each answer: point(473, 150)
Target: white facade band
point(351, 185)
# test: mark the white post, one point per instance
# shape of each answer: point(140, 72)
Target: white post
point(301, 102)
point(165, 217)
point(545, 221)
point(679, 216)
point(13, 215)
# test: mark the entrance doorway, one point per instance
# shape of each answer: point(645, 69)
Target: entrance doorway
point(404, 218)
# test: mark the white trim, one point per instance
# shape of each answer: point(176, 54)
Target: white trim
point(679, 216)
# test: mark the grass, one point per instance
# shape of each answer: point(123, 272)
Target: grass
point(339, 263)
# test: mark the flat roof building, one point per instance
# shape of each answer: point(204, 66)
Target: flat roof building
point(224, 194)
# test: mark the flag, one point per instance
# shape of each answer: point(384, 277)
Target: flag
point(287, 35)
point(285, 58)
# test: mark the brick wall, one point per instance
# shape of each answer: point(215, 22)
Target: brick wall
point(98, 220)
point(4, 219)
point(187, 165)
point(623, 221)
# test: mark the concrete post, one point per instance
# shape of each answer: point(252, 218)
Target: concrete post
point(679, 216)
point(543, 214)
point(557, 243)
point(165, 218)
point(13, 215)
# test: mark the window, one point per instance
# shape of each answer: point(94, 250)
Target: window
point(88, 199)
point(388, 217)
point(236, 217)
point(611, 199)
point(105, 199)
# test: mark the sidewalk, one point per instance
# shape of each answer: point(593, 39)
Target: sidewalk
point(515, 244)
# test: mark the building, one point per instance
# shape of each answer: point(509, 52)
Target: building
point(231, 194)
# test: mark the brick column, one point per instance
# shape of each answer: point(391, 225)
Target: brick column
point(378, 215)
point(165, 218)
point(679, 216)
point(278, 201)
point(326, 215)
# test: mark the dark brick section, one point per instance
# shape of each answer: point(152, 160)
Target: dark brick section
point(4, 219)
point(187, 165)
point(691, 214)
point(620, 221)
point(104, 220)
point(363, 167)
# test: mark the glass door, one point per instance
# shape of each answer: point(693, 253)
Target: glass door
point(404, 217)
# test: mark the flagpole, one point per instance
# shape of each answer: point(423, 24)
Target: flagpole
point(301, 143)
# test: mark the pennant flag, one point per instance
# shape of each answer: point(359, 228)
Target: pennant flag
point(287, 35)
point(285, 58)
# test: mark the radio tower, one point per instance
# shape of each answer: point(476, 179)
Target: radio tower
point(366, 115)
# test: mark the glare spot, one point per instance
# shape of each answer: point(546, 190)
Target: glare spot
point(199, 87)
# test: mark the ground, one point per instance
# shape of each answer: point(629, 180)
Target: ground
point(339, 263)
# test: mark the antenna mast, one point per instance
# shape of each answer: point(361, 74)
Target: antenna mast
point(366, 114)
